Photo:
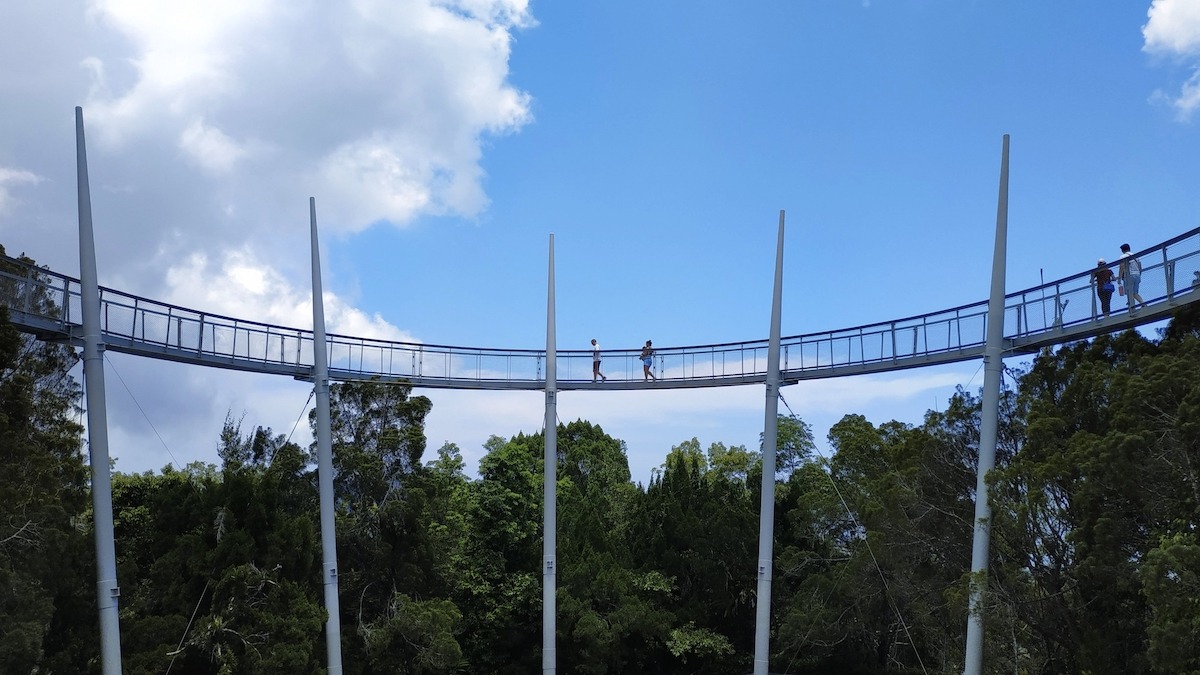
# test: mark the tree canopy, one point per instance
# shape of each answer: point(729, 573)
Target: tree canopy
point(1095, 558)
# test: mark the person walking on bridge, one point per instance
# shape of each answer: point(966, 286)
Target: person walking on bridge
point(647, 357)
point(596, 362)
point(1103, 278)
point(1130, 277)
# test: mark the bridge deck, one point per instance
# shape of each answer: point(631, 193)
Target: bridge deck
point(47, 304)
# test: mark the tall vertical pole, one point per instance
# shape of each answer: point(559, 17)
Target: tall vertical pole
point(549, 491)
point(993, 367)
point(333, 622)
point(766, 522)
point(107, 591)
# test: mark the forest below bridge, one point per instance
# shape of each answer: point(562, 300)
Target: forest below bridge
point(1094, 569)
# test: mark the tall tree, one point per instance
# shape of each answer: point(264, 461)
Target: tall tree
point(698, 538)
point(1095, 512)
point(502, 599)
point(222, 568)
point(43, 554)
point(877, 544)
point(392, 616)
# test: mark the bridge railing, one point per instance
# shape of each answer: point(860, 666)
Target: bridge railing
point(951, 330)
point(1169, 271)
point(38, 292)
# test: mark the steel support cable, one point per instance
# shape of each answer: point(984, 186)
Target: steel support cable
point(195, 490)
point(188, 627)
point(875, 561)
point(141, 410)
point(311, 392)
point(813, 626)
point(208, 581)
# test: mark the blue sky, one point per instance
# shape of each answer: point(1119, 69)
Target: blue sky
point(445, 141)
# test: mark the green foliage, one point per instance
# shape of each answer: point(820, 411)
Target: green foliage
point(43, 501)
point(794, 446)
point(414, 637)
point(1095, 564)
point(223, 568)
point(698, 644)
point(1171, 582)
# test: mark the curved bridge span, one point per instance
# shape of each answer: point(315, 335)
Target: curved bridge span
point(47, 304)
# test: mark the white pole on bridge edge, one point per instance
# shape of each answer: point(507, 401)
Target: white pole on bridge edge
point(108, 593)
point(993, 369)
point(320, 373)
point(766, 524)
point(549, 487)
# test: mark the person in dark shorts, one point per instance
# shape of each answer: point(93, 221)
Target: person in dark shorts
point(1103, 277)
point(596, 362)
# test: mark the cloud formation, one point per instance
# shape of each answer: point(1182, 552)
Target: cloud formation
point(10, 177)
point(241, 286)
point(376, 107)
point(1173, 30)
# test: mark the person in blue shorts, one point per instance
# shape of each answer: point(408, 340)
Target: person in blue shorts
point(647, 358)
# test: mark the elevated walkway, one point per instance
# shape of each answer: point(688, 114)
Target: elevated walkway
point(47, 304)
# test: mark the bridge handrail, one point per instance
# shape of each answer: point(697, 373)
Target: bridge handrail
point(180, 332)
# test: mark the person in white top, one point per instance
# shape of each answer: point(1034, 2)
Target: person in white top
point(1130, 275)
point(596, 362)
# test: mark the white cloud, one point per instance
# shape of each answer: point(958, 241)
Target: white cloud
point(239, 285)
point(1189, 96)
point(162, 413)
point(10, 177)
point(185, 56)
point(1173, 30)
point(1173, 27)
point(210, 148)
point(377, 108)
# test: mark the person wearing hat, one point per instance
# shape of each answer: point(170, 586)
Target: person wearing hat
point(1103, 278)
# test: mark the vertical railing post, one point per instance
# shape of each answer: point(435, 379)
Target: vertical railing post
point(993, 365)
point(1059, 307)
point(66, 308)
point(27, 289)
point(1168, 273)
